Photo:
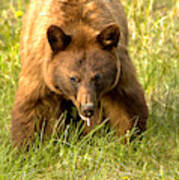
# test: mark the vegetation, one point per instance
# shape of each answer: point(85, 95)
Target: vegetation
point(154, 50)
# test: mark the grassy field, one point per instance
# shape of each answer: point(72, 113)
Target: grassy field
point(154, 50)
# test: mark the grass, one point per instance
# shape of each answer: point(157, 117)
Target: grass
point(154, 50)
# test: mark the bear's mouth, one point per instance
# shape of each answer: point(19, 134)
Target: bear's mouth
point(87, 119)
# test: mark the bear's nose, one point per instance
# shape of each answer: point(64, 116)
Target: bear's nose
point(88, 110)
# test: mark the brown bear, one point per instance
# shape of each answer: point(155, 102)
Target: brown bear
point(76, 50)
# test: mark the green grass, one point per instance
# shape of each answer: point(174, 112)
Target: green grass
point(154, 50)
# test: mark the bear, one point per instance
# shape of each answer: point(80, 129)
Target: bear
point(76, 52)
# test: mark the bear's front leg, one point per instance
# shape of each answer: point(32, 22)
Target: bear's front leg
point(119, 118)
point(23, 123)
point(33, 115)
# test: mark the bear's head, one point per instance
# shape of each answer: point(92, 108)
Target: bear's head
point(83, 67)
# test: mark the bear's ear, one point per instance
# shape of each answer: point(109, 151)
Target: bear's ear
point(109, 36)
point(57, 39)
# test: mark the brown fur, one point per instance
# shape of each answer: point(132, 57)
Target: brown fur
point(82, 51)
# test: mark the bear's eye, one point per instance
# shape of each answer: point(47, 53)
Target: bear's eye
point(74, 79)
point(96, 77)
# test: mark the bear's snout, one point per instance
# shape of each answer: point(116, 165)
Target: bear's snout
point(87, 110)
point(86, 98)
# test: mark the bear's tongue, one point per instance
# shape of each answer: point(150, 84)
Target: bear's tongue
point(85, 119)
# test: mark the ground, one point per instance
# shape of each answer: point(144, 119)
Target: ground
point(154, 50)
